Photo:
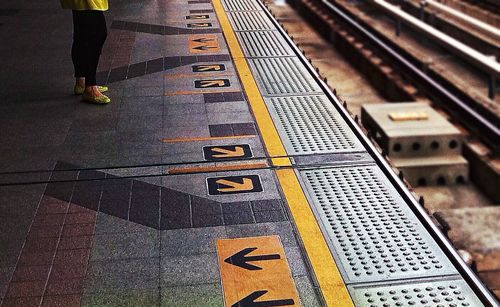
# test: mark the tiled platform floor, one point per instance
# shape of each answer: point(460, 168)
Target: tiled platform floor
point(107, 240)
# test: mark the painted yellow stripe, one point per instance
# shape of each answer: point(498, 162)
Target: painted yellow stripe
point(209, 138)
point(269, 134)
point(330, 281)
point(219, 168)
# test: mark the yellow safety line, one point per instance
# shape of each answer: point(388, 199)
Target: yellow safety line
point(208, 138)
point(327, 274)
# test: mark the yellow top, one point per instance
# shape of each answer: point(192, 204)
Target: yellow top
point(80, 5)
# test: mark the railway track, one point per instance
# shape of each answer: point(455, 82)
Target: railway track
point(478, 119)
point(342, 59)
point(492, 6)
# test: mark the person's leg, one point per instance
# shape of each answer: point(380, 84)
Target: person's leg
point(95, 35)
point(98, 37)
point(78, 48)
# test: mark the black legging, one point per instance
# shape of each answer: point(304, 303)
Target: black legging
point(89, 35)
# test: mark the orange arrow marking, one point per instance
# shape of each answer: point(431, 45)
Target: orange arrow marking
point(226, 153)
point(203, 43)
point(209, 67)
point(204, 40)
point(212, 83)
point(204, 48)
point(200, 25)
point(247, 185)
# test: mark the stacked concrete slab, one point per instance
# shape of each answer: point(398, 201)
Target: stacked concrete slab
point(420, 142)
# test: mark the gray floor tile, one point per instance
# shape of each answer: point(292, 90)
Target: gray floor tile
point(229, 118)
point(282, 229)
point(124, 298)
point(15, 228)
point(194, 184)
point(126, 245)
point(146, 109)
point(307, 293)
point(142, 91)
point(132, 101)
point(108, 224)
point(103, 276)
point(5, 276)
point(225, 107)
point(189, 270)
point(19, 204)
point(208, 295)
point(185, 120)
point(11, 249)
point(181, 99)
point(140, 123)
point(175, 132)
point(184, 109)
point(192, 241)
point(295, 261)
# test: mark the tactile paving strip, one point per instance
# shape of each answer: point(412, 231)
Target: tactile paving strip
point(372, 232)
point(440, 293)
point(240, 5)
point(380, 246)
point(250, 21)
point(310, 125)
point(264, 44)
point(283, 76)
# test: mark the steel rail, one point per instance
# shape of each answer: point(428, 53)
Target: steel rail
point(487, 129)
point(477, 24)
point(486, 63)
point(469, 276)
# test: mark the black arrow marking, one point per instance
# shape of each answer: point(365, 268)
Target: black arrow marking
point(203, 40)
point(204, 48)
point(240, 259)
point(249, 301)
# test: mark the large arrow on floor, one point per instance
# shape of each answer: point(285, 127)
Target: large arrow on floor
point(241, 259)
point(249, 301)
point(136, 201)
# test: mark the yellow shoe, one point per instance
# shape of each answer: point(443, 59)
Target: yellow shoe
point(103, 99)
point(78, 90)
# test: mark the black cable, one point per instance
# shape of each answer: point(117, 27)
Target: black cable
point(298, 167)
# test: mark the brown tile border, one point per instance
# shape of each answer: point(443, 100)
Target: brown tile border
point(53, 262)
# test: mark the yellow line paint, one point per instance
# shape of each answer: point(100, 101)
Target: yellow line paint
point(210, 138)
point(330, 281)
point(332, 286)
point(268, 131)
point(219, 168)
point(273, 276)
